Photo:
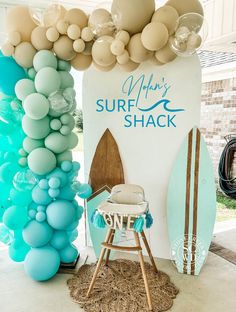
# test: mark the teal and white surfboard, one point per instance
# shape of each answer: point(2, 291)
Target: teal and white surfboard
point(106, 171)
point(191, 205)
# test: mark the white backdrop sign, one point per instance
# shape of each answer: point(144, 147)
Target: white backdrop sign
point(149, 112)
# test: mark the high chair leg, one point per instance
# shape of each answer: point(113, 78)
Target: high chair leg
point(109, 250)
point(149, 299)
point(149, 251)
point(109, 232)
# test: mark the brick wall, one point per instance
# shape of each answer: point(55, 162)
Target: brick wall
point(218, 116)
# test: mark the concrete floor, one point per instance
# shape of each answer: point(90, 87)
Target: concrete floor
point(213, 291)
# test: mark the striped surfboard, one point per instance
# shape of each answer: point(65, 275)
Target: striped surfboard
point(191, 205)
point(106, 171)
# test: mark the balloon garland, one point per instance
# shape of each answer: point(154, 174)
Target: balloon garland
point(38, 178)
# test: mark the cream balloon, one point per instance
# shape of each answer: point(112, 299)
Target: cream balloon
point(19, 19)
point(24, 54)
point(138, 53)
point(186, 6)
point(123, 36)
point(52, 34)
point(155, 36)
point(62, 27)
point(154, 61)
point(63, 48)
point(7, 49)
point(79, 45)
point(73, 32)
point(104, 69)
point(100, 21)
point(101, 51)
point(132, 15)
point(14, 38)
point(123, 58)
point(165, 55)
point(87, 34)
point(39, 39)
point(117, 47)
point(76, 16)
point(130, 66)
point(168, 16)
point(81, 62)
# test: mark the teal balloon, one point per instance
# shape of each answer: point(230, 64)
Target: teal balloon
point(44, 58)
point(59, 240)
point(67, 166)
point(67, 81)
point(64, 65)
point(15, 217)
point(47, 81)
point(18, 250)
point(41, 161)
point(56, 142)
point(10, 74)
point(37, 234)
point(7, 117)
point(58, 173)
point(60, 214)
point(36, 129)
point(23, 88)
point(41, 264)
point(20, 198)
point(7, 172)
point(40, 196)
point(36, 106)
point(30, 144)
point(67, 193)
point(6, 236)
point(68, 254)
point(72, 235)
point(84, 191)
point(73, 226)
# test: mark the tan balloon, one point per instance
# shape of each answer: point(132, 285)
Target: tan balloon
point(7, 49)
point(155, 36)
point(81, 62)
point(117, 47)
point(62, 27)
point(52, 34)
point(104, 69)
point(154, 61)
point(101, 51)
point(124, 58)
point(73, 32)
point(130, 66)
point(87, 34)
point(132, 15)
point(14, 38)
point(39, 39)
point(19, 19)
point(138, 53)
point(79, 45)
point(100, 21)
point(186, 6)
point(76, 16)
point(88, 48)
point(123, 36)
point(63, 48)
point(168, 16)
point(24, 54)
point(165, 55)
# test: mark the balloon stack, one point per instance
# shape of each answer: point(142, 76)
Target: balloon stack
point(38, 185)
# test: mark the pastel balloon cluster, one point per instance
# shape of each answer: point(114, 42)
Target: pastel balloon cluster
point(128, 33)
point(38, 179)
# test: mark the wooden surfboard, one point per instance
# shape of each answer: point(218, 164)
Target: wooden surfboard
point(106, 171)
point(191, 205)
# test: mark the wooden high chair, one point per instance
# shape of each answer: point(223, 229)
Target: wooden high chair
point(125, 205)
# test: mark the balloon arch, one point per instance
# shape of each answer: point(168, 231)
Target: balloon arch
point(38, 178)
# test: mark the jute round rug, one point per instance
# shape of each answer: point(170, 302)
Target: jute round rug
point(119, 287)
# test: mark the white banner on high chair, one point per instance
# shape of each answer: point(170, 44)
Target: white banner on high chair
point(149, 112)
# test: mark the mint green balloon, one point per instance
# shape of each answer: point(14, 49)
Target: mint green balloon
point(67, 81)
point(31, 144)
point(44, 58)
point(67, 155)
point(36, 106)
point(32, 73)
point(36, 129)
point(56, 142)
point(23, 88)
point(64, 65)
point(73, 140)
point(41, 161)
point(47, 81)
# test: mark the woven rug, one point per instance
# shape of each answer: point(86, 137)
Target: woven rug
point(119, 287)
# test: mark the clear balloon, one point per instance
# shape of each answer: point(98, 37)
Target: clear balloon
point(24, 180)
point(61, 101)
point(6, 236)
point(45, 17)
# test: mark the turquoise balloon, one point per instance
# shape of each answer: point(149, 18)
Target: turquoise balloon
point(72, 235)
point(36, 106)
point(18, 250)
point(59, 240)
point(47, 81)
point(84, 191)
point(7, 172)
point(67, 81)
point(6, 236)
point(44, 58)
point(67, 193)
point(41, 161)
point(15, 217)
point(68, 254)
point(7, 117)
point(21, 198)
point(41, 264)
point(37, 234)
point(30, 144)
point(63, 65)
point(40, 196)
point(67, 166)
point(10, 74)
point(36, 129)
point(60, 214)
point(58, 173)
point(23, 88)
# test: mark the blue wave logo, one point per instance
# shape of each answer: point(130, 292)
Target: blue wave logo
point(165, 106)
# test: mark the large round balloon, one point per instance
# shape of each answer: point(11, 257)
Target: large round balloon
point(36, 129)
point(41, 196)
point(30, 144)
point(43, 59)
point(10, 73)
point(41, 161)
point(56, 142)
point(60, 214)
point(20, 198)
point(37, 234)
point(23, 88)
point(39, 39)
point(41, 264)
point(132, 15)
point(15, 217)
point(138, 53)
point(47, 81)
point(36, 106)
point(68, 254)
